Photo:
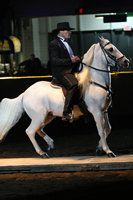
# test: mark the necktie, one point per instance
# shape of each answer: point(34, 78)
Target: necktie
point(70, 51)
point(65, 42)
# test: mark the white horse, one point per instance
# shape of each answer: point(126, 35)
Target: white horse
point(43, 103)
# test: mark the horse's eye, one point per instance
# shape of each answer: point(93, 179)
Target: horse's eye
point(111, 49)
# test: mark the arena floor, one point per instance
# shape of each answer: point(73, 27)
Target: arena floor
point(65, 164)
point(21, 179)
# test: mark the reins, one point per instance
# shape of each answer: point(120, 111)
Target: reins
point(101, 70)
point(104, 87)
point(97, 84)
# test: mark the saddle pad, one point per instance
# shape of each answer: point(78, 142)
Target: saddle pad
point(53, 85)
point(56, 86)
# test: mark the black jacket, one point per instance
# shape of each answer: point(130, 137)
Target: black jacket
point(60, 60)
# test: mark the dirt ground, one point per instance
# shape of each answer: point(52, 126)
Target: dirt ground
point(78, 185)
point(82, 140)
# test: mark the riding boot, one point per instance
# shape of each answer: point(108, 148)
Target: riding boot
point(69, 102)
point(67, 113)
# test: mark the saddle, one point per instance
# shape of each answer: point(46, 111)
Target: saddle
point(79, 105)
point(55, 84)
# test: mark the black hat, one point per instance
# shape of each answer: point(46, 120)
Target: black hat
point(64, 26)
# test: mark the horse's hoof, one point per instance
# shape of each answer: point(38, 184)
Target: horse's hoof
point(111, 155)
point(99, 152)
point(45, 155)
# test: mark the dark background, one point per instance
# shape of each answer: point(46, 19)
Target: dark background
point(29, 8)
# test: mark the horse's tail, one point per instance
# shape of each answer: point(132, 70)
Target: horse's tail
point(10, 112)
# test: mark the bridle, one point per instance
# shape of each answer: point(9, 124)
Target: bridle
point(105, 52)
point(116, 60)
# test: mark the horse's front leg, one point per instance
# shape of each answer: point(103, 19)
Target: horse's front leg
point(107, 128)
point(100, 123)
point(107, 124)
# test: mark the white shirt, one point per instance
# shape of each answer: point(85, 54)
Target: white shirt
point(67, 46)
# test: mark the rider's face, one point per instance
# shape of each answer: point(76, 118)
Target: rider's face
point(66, 34)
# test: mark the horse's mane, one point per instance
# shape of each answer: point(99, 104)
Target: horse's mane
point(84, 76)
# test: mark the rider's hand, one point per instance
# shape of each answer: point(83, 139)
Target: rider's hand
point(75, 59)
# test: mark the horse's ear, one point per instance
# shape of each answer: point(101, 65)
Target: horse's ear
point(101, 38)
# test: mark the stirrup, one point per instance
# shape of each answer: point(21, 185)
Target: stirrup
point(67, 116)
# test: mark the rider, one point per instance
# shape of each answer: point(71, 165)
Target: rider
point(63, 65)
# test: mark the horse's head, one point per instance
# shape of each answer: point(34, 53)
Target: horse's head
point(112, 54)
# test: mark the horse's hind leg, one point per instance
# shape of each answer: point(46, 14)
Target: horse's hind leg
point(48, 139)
point(40, 132)
point(31, 131)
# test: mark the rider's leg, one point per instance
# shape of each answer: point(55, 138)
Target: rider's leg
point(71, 84)
point(69, 100)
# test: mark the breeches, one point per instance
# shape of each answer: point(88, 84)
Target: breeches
point(71, 84)
point(68, 81)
